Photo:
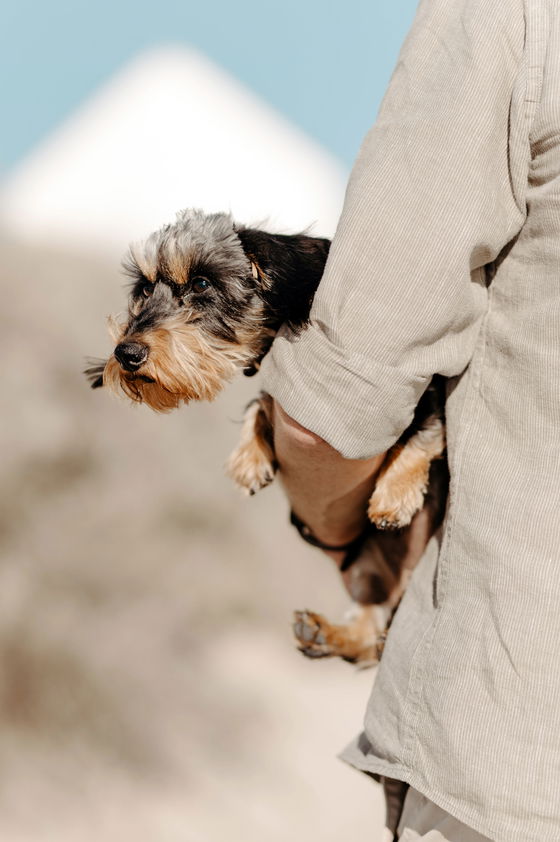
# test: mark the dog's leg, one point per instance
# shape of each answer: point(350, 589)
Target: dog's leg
point(252, 464)
point(403, 479)
point(376, 582)
point(359, 641)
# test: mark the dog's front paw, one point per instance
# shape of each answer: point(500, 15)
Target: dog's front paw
point(252, 464)
point(389, 512)
point(250, 468)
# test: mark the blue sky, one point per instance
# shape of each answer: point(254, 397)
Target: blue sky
point(323, 64)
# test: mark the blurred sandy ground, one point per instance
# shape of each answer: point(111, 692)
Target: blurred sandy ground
point(149, 686)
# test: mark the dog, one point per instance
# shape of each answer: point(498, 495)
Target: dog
point(208, 296)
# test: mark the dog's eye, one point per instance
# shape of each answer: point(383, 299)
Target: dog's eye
point(200, 284)
point(146, 290)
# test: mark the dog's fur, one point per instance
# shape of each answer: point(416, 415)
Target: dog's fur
point(207, 298)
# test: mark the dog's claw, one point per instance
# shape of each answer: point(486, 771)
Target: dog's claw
point(250, 478)
point(313, 653)
point(386, 522)
point(259, 484)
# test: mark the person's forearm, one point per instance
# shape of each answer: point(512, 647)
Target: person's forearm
point(328, 492)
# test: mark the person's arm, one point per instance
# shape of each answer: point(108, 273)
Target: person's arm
point(431, 200)
point(328, 492)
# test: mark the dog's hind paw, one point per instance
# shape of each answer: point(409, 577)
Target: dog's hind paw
point(311, 632)
point(356, 641)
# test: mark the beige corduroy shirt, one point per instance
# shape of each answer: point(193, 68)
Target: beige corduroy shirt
point(447, 259)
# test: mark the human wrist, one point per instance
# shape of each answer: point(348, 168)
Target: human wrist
point(341, 541)
point(344, 519)
point(342, 553)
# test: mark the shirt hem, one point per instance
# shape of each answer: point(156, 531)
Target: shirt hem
point(371, 764)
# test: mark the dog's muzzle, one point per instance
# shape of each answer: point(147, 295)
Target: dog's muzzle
point(131, 355)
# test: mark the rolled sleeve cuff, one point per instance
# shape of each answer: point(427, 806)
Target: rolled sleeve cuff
point(358, 406)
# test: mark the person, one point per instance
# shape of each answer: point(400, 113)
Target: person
point(446, 260)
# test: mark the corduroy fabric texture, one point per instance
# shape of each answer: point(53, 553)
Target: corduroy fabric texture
point(447, 259)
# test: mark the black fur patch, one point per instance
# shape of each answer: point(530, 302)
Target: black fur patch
point(292, 266)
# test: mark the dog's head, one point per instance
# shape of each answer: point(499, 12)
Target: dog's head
point(206, 300)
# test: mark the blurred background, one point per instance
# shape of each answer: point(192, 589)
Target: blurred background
point(149, 686)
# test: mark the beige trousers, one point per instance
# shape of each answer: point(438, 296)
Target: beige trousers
point(421, 819)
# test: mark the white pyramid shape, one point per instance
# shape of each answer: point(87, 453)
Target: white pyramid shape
point(169, 131)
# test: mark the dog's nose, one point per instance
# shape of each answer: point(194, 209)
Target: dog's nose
point(131, 355)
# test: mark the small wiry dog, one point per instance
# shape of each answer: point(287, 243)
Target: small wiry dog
point(208, 297)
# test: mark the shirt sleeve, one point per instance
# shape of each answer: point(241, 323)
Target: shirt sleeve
point(430, 201)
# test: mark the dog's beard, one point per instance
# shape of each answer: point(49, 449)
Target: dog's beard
point(184, 364)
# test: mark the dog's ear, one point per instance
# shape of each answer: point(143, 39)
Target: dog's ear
point(288, 268)
point(94, 373)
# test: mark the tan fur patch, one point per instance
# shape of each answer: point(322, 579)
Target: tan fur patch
point(175, 262)
point(185, 363)
point(253, 463)
point(403, 478)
